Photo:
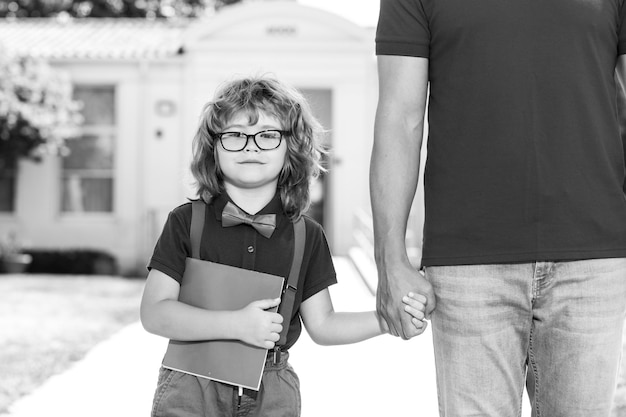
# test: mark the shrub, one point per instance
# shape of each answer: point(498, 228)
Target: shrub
point(72, 261)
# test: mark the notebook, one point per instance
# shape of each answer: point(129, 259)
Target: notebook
point(215, 286)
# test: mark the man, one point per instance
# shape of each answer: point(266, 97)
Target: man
point(525, 216)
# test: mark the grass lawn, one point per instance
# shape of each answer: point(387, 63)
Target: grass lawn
point(47, 322)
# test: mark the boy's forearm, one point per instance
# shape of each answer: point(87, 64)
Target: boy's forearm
point(346, 328)
point(178, 321)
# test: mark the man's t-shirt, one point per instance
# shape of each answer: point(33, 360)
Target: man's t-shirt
point(242, 246)
point(525, 160)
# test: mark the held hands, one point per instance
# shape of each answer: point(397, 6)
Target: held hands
point(404, 315)
point(259, 327)
point(415, 306)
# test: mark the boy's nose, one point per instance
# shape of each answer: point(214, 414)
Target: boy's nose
point(251, 146)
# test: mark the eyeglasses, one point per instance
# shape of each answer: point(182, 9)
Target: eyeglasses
point(237, 141)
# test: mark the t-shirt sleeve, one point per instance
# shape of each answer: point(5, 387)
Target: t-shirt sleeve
point(403, 29)
point(621, 46)
point(320, 271)
point(173, 246)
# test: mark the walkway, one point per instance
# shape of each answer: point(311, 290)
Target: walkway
point(384, 376)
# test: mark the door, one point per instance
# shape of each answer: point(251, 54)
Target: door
point(320, 101)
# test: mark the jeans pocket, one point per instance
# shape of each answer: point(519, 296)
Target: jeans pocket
point(163, 383)
point(280, 392)
point(295, 384)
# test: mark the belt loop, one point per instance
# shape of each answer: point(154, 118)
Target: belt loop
point(277, 354)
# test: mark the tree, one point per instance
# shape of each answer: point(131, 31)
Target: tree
point(37, 111)
point(110, 8)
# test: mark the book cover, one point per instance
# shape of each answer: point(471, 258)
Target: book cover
point(215, 286)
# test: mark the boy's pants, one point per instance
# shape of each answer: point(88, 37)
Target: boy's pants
point(557, 325)
point(182, 395)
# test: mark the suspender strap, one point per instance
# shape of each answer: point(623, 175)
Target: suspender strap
point(291, 287)
point(289, 292)
point(197, 225)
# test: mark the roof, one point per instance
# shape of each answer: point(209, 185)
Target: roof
point(91, 38)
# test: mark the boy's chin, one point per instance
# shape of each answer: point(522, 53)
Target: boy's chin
point(252, 184)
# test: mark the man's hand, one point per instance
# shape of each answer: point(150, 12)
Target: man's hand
point(394, 283)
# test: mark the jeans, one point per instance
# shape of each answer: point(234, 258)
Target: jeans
point(183, 395)
point(556, 325)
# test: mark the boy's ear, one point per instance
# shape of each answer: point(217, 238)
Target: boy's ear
point(286, 171)
point(219, 175)
point(216, 160)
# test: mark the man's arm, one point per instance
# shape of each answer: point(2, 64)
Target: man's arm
point(394, 171)
point(620, 76)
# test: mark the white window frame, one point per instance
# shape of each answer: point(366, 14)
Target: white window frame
point(98, 130)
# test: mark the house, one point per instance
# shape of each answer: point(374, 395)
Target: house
point(144, 82)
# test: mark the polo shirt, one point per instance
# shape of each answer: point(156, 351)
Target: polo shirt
point(524, 156)
point(242, 246)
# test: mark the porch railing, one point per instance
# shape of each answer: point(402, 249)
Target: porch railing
point(362, 254)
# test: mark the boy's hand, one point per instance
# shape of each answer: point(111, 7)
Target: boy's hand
point(415, 305)
point(259, 327)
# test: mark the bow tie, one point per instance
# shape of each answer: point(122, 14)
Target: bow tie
point(263, 223)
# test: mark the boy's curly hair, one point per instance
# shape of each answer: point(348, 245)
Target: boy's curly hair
point(251, 96)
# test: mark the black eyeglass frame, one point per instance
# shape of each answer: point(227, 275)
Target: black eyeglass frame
point(253, 137)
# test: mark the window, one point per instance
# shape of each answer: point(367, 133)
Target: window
point(87, 174)
point(7, 191)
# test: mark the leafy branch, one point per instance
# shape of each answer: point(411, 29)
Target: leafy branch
point(37, 111)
